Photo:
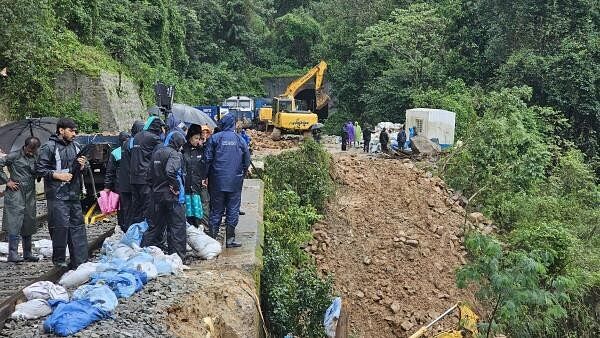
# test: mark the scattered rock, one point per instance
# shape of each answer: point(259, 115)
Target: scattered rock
point(359, 294)
point(407, 325)
point(412, 242)
point(395, 307)
point(476, 217)
point(367, 260)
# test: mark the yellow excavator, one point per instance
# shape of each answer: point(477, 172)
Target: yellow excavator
point(284, 113)
point(467, 324)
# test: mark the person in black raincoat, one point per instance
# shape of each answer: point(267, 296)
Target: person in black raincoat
point(123, 176)
point(111, 177)
point(401, 139)
point(192, 156)
point(58, 164)
point(344, 136)
point(141, 149)
point(167, 171)
point(19, 217)
point(384, 138)
point(367, 131)
point(226, 162)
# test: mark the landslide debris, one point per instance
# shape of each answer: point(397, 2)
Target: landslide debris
point(262, 140)
point(392, 240)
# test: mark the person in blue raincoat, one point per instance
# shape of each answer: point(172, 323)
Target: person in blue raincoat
point(226, 161)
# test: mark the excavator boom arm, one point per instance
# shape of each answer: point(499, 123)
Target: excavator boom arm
point(318, 71)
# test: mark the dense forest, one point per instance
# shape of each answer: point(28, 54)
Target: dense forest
point(523, 77)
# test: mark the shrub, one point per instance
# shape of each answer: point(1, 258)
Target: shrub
point(304, 171)
point(295, 297)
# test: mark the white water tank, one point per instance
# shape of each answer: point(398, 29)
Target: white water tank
point(432, 123)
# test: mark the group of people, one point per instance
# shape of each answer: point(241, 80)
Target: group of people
point(154, 170)
point(352, 133)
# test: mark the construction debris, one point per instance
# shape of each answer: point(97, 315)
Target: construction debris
point(393, 239)
point(262, 140)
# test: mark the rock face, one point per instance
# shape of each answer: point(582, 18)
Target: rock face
point(116, 101)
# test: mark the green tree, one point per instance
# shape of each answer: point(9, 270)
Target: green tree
point(295, 34)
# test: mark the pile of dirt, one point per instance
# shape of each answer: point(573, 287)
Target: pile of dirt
point(262, 140)
point(223, 307)
point(392, 240)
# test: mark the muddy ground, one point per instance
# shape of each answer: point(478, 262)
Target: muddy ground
point(392, 240)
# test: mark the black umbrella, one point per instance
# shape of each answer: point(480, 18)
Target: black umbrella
point(317, 126)
point(13, 135)
point(187, 114)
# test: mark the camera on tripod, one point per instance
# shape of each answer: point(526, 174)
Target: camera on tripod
point(164, 97)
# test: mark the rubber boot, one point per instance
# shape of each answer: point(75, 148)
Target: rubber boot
point(213, 232)
point(27, 255)
point(13, 249)
point(230, 238)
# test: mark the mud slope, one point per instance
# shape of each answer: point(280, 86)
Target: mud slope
point(391, 239)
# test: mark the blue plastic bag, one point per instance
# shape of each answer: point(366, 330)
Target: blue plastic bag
point(100, 295)
point(72, 317)
point(331, 316)
point(163, 267)
point(123, 284)
point(135, 233)
point(140, 278)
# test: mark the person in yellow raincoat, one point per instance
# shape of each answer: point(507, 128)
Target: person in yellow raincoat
point(357, 134)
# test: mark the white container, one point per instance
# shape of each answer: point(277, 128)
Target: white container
point(432, 123)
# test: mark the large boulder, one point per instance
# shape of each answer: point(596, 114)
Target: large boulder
point(422, 145)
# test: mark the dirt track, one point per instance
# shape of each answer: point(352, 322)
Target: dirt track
point(392, 240)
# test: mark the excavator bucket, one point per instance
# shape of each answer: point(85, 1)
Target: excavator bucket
point(322, 98)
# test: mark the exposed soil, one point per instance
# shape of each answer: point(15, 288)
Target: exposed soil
point(221, 308)
point(262, 140)
point(391, 238)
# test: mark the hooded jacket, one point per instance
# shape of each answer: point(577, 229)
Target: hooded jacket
point(226, 158)
point(111, 178)
point(124, 166)
point(167, 164)
point(141, 148)
point(192, 157)
point(58, 155)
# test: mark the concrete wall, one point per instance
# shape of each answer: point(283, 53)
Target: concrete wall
point(118, 105)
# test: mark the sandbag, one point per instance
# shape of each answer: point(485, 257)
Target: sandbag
point(110, 242)
point(163, 267)
point(204, 245)
point(73, 278)
point(141, 278)
point(134, 233)
point(154, 251)
point(122, 251)
point(4, 248)
point(44, 246)
point(176, 263)
point(45, 290)
point(123, 284)
point(72, 317)
point(148, 268)
point(140, 257)
point(100, 295)
point(32, 309)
